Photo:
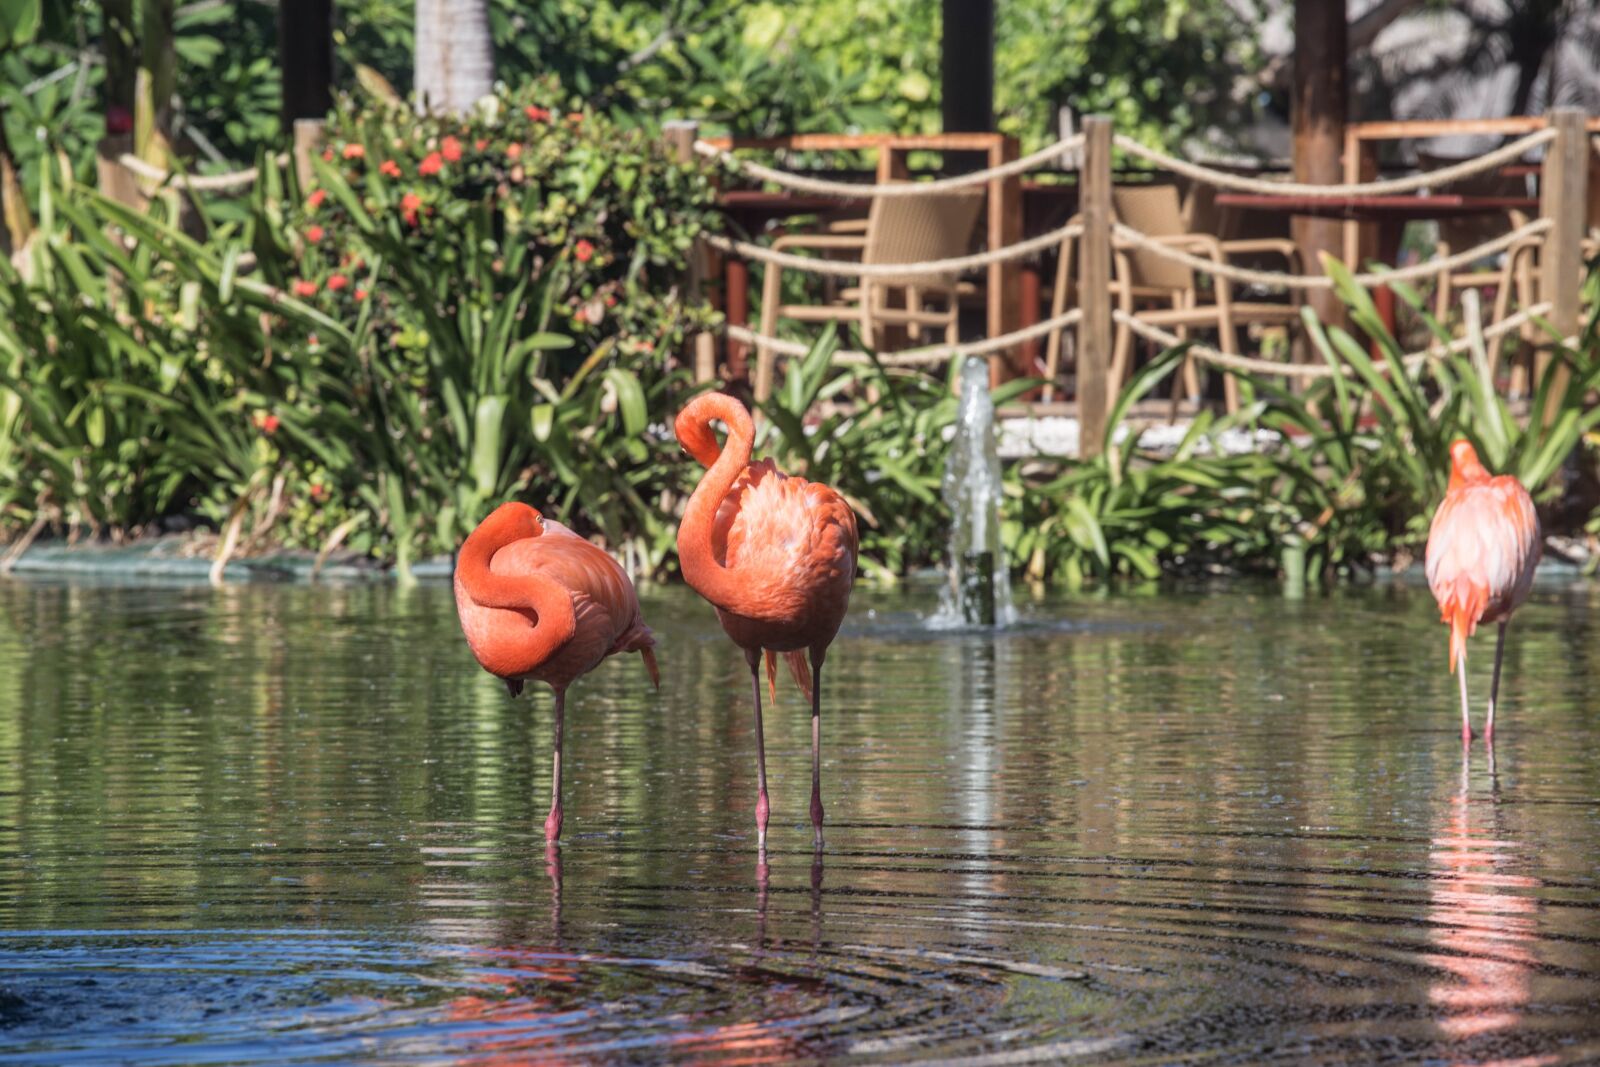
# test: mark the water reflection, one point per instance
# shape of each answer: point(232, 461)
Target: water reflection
point(1485, 913)
point(274, 825)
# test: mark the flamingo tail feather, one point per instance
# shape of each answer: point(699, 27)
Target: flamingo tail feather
point(799, 666)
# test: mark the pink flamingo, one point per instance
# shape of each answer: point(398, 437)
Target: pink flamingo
point(539, 602)
point(1483, 547)
point(776, 556)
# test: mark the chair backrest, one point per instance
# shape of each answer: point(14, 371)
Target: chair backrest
point(1156, 211)
point(1466, 231)
point(916, 229)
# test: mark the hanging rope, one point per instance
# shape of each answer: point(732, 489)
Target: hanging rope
point(1312, 370)
point(801, 183)
point(150, 172)
point(848, 269)
point(929, 355)
point(1277, 279)
point(1410, 183)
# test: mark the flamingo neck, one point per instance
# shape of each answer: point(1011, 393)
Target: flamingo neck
point(701, 568)
point(551, 604)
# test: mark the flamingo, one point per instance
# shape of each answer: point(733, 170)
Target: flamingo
point(1483, 547)
point(775, 555)
point(539, 602)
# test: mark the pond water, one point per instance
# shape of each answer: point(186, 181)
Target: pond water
point(275, 824)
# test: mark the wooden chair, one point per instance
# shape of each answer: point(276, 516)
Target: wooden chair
point(905, 229)
point(1167, 294)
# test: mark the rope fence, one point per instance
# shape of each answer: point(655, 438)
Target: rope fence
point(802, 183)
point(850, 269)
point(929, 355)
point(237, 179)
point(1368, 280)
point(1352, 191)
point(1233, 361)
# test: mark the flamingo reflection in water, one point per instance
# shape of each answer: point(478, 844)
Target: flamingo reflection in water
point(1485, 920)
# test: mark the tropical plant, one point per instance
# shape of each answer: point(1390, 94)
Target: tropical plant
point(1135, 512)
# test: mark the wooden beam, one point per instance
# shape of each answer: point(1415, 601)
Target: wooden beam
point(1319, 107)
point(1095, 390)
point(702, 357)
point(1563, 196)
point(305, 55)
point(1003, 285)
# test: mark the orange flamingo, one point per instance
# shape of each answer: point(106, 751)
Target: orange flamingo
point(776, 556)
point(538, 601)
point(1483, 547)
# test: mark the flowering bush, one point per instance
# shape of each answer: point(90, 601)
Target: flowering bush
point(458, 311)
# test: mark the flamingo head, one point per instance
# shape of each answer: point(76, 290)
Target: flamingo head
point(1464, 465)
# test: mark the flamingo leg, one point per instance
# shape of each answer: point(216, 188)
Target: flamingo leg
point(816, 750)
point(552, 822)
point(763, 809)
point(1494, 686)
point(1466, 720)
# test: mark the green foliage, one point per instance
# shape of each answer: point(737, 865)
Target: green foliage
point(1136, 513)
point(489, 323)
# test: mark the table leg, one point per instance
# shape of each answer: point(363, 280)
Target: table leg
point(1028, 315)
point(736, 282)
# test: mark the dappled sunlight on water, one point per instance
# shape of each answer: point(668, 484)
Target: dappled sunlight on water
point(270, 824)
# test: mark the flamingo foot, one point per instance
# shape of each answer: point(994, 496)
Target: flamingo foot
point(1466, 734)
point(552, 825)
point(763, 809)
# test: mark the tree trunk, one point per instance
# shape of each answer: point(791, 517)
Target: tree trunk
point(455, 58)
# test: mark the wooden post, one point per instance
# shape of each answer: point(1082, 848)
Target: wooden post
point(1318, 109)
point(1095, 389)
point(681, 135)
point(1004, 281)
point(1563, 196)
point(308, 138)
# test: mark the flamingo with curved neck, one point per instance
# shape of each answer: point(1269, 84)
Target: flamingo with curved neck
point(776, 556)
point(538, 602)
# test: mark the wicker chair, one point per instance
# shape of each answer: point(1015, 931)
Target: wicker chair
point(907, 229)
point(1166, 294)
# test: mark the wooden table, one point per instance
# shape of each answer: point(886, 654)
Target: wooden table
point(1390, 213)
point(1045, 206)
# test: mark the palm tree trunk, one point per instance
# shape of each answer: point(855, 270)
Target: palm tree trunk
point(455, 58)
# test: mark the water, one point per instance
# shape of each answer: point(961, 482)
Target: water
point(286, 824)
point(979, 593)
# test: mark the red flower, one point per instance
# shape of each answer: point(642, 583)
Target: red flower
point(327, 155)
point(318, 491)
point(313, 233)
point(450, 148)
point(480, 144)
point(581, 315)
point(360, 294)
point(513, 150)
point(316, 198)
point(305, 288)
point(431, 165)
point(337, 282)
point(389, 169)
point(266, 421)
point(355, 151)
point(574, 117)
point(537, 114)
point(584, 251)
point(611, 300)
point(410, 204)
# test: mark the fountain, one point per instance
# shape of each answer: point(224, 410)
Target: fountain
point(979, 593)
